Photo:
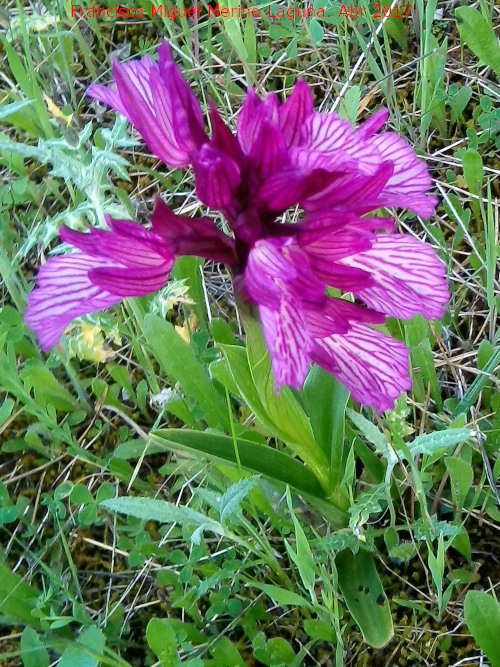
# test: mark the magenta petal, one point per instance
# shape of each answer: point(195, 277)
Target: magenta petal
point(252, 116)
point(372, 366)
point(192, 236)
point(126, 261)
point(294, 111)
point(154, 97)
point(127, 282)
point(217, 177)
point(373, 124)
point(352, 192)
point(410, 181)
point(283, 189)
point(334, 245)
point(286, 337)
point(222, 137)
point(268, 154)
point(408, 276)
point(265, 266)
point(64, 292)
point(332, 137)
point(336, 316)
point(108, 97)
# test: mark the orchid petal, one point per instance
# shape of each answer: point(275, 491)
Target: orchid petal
point(371, 365)
point(408, 277)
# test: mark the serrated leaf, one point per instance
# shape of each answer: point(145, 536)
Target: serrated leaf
point(152, 509)
point(161, 639)
point(369, 430)
point(428, 443)
point(367, 503)
point(232, 498)
point(48, 389)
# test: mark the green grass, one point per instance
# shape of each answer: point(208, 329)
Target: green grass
point(212, 559)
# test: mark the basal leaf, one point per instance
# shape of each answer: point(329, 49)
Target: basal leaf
point(364, 596)
point(482, 615)
point(479, 36)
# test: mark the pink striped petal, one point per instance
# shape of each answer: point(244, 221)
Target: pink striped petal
point(294, 111)
point(371, 365)
point(154, 97)
point(408, 276)
point(351, 192)
point(333, 137)
point(286, 337)
point(216, 175)
point(372, 124)
point(410, 180)
point(268, 154)
point(127, 261)
point(109, 97)
point(126, 282)
point(252, 116)
point(336, 316)
point(64, 292)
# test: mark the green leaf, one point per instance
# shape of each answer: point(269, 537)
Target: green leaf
point(16, 598)
point(479, 36)
point(224, 652)
point(281, 596)
point(461, 476)
point(302, 557)
point(161, 639)
point(369, 430)
point(189, 268)
point(179, 362)
point(48, 389)
point(364, 596)
point(319, 630)
point(482, 615)
point(86, 652)
point(232, 498)
point(7, 110)
point(152, 509)
point(33, 653)
point(281, 413)
point(80, 495)
point(428, 443)
point(324, 400)
point(257, 459)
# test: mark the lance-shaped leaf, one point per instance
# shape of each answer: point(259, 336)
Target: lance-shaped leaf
point(364, 596)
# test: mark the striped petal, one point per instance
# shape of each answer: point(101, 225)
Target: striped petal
point(157, 101)
point(64, 291)
point(216, 175)
point(286, 337)
point(371, 365)
point(294, 111)
point(127, 261)
point(410, 180)
point(408, 277)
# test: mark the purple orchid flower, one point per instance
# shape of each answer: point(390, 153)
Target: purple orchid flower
point(282, 155)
